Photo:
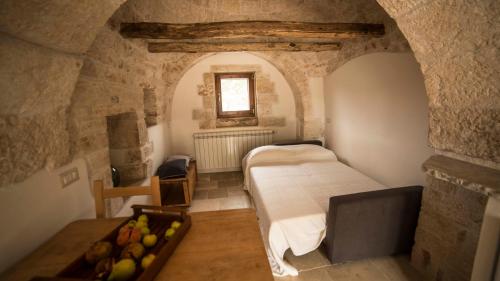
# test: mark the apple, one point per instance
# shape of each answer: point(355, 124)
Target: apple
point(147, 260)
point(169, 233)
point(143, 218)
point(149, 240)
point(175, 224)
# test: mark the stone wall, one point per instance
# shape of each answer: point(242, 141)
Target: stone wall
point(448, 231)
point(264, 93)
point(457, 45)
point(41, 47)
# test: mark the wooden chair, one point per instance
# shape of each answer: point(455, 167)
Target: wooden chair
point(101, 193)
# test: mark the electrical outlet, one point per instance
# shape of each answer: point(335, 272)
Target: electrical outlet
point(68, 177)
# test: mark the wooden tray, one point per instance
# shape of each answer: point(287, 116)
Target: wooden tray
point(158, 223)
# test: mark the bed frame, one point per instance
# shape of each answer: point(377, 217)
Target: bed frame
point(370, 224)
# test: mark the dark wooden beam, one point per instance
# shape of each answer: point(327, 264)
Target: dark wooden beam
point(250, 30)
point(184, 47)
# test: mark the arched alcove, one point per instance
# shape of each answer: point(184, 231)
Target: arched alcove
point(275, 100)
point(377, 117)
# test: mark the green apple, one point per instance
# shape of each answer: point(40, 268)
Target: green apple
point(169, 233)
point(145, 231)
point(149, 240)
point(141, 224)
point(147, 260)
point(175, 224)
point(132, 223)
point(143, 218)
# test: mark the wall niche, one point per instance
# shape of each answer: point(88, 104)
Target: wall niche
point(126, 152)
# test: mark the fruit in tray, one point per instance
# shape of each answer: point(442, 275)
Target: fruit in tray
point(122, 270)
point(149, 240)
point(104, 267)
point(98, 251)
point(145, 231)
point(141, 224)
point(133, 251)
point(132, 223)
point(175, 224)
point(147, 260)
point(128, 235)
point(143, 218)
point(169, 233)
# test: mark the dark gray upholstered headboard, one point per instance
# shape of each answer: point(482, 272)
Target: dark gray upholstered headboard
point(295, 142)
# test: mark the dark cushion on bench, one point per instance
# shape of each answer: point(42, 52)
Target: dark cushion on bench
point(172, 169)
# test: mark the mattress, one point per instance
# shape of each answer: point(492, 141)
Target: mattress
point(291, 196)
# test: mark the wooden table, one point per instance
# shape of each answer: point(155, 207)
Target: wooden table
point(221, 245)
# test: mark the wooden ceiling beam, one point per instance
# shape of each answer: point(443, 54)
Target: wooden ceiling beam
point(250, 30)
point(185, 47)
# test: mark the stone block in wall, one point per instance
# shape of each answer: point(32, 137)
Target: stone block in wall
point(209, 102)
point(236, 122)
point(207, 124)
point(270, 121)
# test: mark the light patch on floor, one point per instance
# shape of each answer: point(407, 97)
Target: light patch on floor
point(219, 191)
point(222, 191)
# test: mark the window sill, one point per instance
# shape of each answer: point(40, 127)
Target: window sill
point(236, 122)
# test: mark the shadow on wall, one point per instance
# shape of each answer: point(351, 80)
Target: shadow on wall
point(377, 117)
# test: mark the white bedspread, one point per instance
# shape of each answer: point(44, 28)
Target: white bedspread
point(291, 194)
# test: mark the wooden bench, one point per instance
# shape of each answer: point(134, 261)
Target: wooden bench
point(179, 191)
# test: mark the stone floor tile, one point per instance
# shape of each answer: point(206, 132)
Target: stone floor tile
point(236, 192)
point(236, 202)
point(204, 205)
point(310, 260)
point(397, 268)
point(200, 194)
point(363, 270)
point(229, 183)
point(317, 274)
point(217, 193)
point(206, 186)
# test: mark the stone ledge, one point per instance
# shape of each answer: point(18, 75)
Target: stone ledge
point(470, 176)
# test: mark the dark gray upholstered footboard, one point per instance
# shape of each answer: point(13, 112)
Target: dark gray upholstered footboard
point(370, 224)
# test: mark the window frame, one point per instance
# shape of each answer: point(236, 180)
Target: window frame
point(251, 94)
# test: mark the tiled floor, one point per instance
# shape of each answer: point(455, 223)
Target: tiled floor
point(219, 191)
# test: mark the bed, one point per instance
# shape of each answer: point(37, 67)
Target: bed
point(292, 188)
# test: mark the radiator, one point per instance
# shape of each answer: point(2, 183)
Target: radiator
point(223, 151)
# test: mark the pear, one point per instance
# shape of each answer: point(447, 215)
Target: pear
point(98, 251)
point(133, 251)
point(122, 270)
point(169, 233)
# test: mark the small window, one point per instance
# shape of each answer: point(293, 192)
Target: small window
point(235, 95)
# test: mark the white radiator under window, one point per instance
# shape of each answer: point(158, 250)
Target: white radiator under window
point(223, 151)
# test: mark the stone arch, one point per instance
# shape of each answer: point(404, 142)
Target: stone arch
point(293, 83)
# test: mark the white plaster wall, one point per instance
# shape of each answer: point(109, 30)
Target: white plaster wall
point(186, 99)
point(377, 117)
point(37, 208)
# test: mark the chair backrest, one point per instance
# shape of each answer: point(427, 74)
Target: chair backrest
point(101, 193)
